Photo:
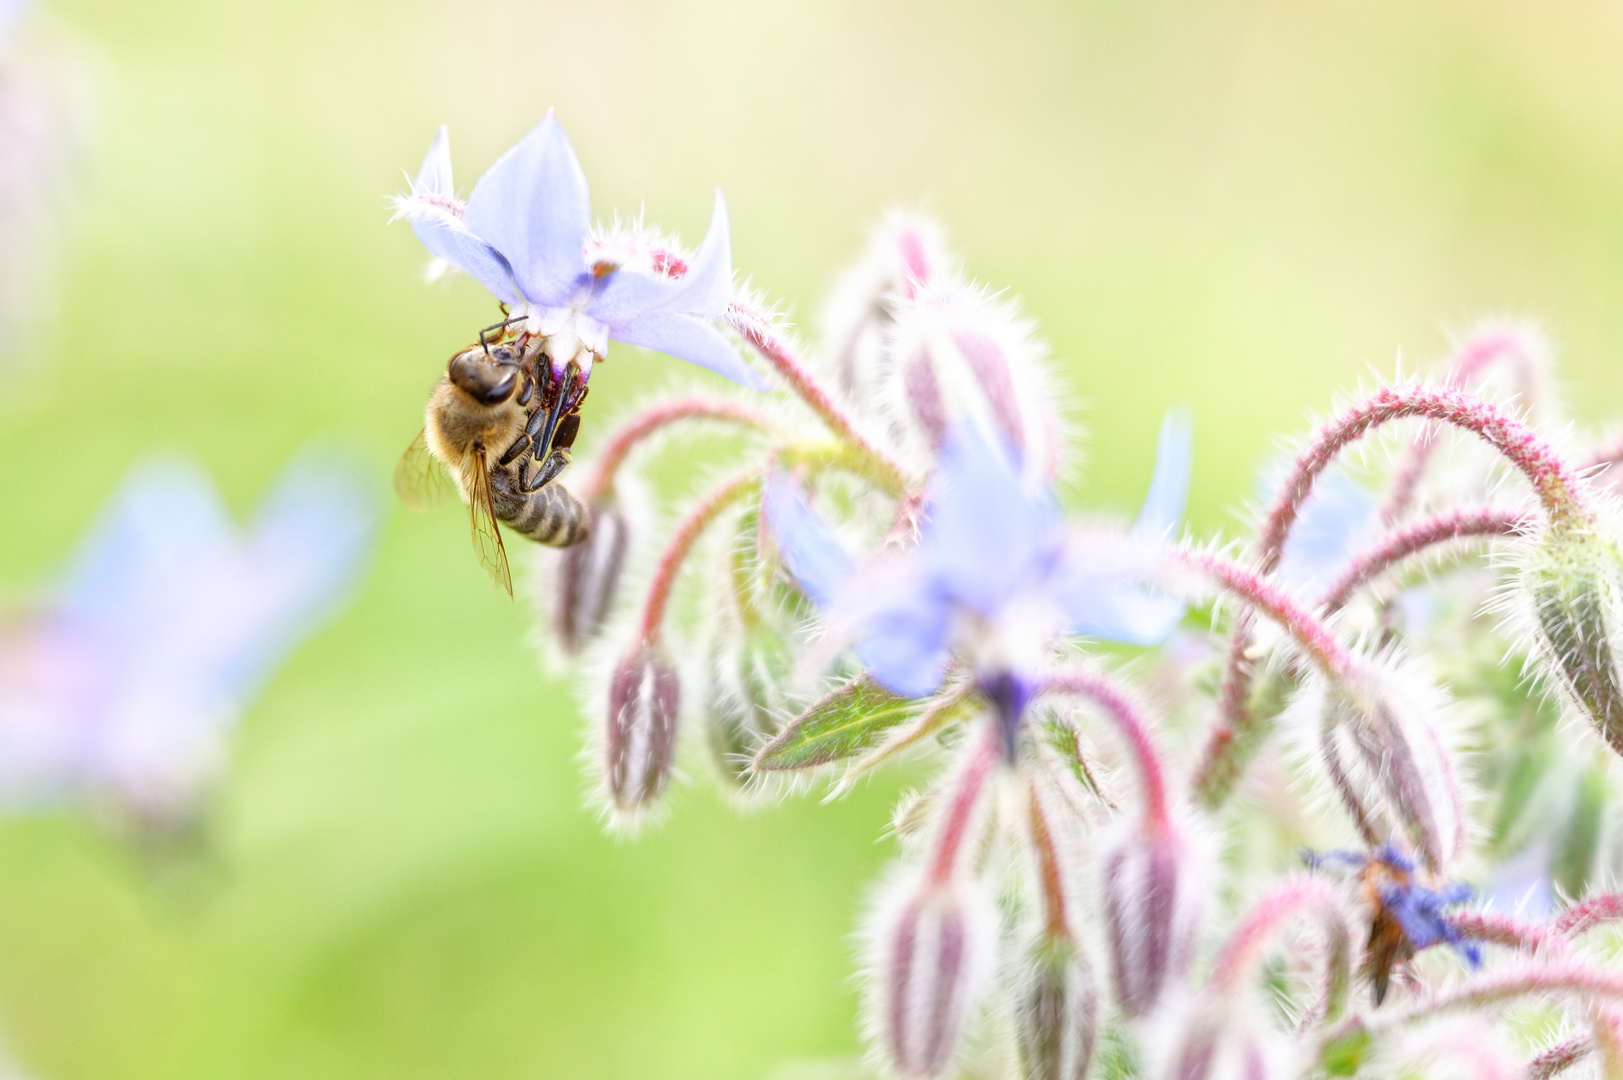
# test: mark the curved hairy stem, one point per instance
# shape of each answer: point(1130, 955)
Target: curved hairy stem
point(1118, 703)
point(1305, 628)
point(1492, 345)
point(1553, 482)
point(1409, 540)
point(960, 810)
point(681, 543)
point(757, 329)
point(1049, 874)
point(646, 423)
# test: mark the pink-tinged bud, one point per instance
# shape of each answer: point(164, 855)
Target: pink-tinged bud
point(640, 740)
point(1575, 585)
point(1384, 748)
point(904, 253)
point(958, 356)
point(934, 951)
point(589, 577)
point(1056, 1014)
point(1152, 910)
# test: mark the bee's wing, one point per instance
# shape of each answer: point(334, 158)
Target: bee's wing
point(418, 478)
point(487, 538)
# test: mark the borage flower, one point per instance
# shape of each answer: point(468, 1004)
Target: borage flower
point(524, 234)
point(995, 577)
point(1407, 915)
point(169, 622)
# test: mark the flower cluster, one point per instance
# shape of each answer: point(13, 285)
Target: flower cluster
point(1103, 878)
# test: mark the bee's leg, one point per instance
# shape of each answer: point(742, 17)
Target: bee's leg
point(568, 397)
point(520, 444)
point(545, 475)
point(568, 428)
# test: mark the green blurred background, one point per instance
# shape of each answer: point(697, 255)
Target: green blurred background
point(1237, 205)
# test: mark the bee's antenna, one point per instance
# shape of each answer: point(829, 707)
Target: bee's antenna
point(496, 326)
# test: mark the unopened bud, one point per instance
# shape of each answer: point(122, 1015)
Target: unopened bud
point(1056, 1013)
point(589, 577)
point(640, 740)
point(934, 952)
point(1574, 582)
point(1383, 746)
point(1152, 909)
point(958, 356)
point(744, 696)
point(904, 252)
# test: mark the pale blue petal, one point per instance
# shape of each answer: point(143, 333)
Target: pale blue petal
point(10, 12)
point(442, 232)
point(164, 522)
point(814, 555)
point(434, 178)
point(906, 652)
point(1163, 509)
point(707, 287)
point(533, 207)
point(446, 237)
point(985, 537)
point(625, 296)
point(303, 553)
point(622, 297)
point(901, 622)
point(697, 342)
point(1109, 609)
point(1339, 519)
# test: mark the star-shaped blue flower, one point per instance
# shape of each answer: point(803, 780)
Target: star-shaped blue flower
point(169, 621)
point(1417, 909)
point(995, 576)
point(524, 234)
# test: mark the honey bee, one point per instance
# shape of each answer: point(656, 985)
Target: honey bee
point(501, 424)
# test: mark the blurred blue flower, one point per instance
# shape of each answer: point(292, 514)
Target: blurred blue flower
point(1337, 522)
point(523, 233)
point(995, 576)
point(1390, 876)
point(167, 625)
point(10, 12)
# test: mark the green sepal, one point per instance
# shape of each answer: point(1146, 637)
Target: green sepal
point(1579, 839)
point(744, 695)
point(1575, 589)
point(1345, 1055)
point(841, 724)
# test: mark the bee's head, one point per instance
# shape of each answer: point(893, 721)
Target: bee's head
point(489, 376)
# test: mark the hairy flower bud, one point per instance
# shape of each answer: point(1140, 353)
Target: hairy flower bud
point(904, 252)
point(1575, 583)
point(934, 950)
point(959, 357)
point(1382, 741)
point(640, 739)
point(1056, 1013)
point(1152, 908)
point(589, 578)
point(744, 695)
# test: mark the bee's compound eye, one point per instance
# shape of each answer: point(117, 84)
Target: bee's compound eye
point(476, 375)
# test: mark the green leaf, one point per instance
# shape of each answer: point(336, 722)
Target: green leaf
point(843, 723)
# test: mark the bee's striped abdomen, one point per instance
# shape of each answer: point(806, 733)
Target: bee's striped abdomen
point(550, 516)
